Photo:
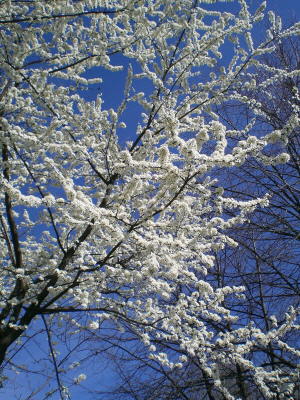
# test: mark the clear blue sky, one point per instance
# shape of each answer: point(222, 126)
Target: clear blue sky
point(289, 10)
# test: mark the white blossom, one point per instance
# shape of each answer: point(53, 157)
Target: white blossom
point(128, 229)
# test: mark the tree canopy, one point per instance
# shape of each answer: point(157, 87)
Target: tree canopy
point(115, 213)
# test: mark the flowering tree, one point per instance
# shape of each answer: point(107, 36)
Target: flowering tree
point(127, 231)
point(265, 261)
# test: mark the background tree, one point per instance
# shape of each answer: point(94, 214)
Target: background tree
point(95, 229)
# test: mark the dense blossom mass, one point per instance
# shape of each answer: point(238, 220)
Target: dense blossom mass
point(116, 216)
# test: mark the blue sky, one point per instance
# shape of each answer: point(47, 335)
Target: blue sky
point(289, 10)
point(112, 86)
point(112, 90)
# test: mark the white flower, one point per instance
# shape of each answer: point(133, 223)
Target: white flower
point(283, 158)
point(94, 325)
point(79, 379)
